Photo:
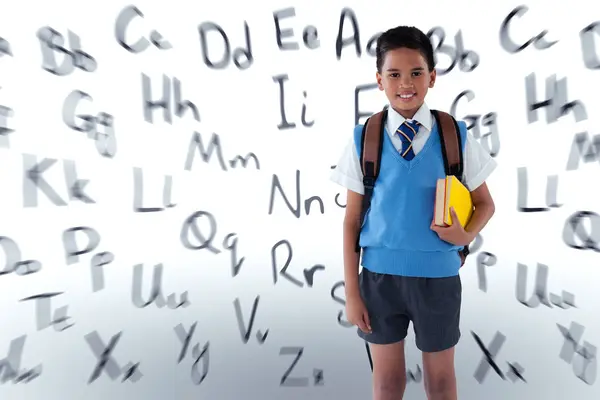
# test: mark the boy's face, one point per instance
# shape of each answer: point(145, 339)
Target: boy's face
point(405, 78)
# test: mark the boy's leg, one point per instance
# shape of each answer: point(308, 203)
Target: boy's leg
point(435, 307)
point(389, 371)
point(439, 375)
point(389, 324)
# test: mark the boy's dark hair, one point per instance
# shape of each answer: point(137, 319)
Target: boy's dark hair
point(404, 36)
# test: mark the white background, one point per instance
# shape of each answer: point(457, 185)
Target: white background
point(242, 107)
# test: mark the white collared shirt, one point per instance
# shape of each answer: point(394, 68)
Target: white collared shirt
point(478, 164)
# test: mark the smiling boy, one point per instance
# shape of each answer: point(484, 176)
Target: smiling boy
point(410, 266)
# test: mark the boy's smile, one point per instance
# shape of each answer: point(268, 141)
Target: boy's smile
point(407, 96)
point(405, 78)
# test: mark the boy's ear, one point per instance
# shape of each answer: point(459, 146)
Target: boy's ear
point(379, 80)
point(432, 77)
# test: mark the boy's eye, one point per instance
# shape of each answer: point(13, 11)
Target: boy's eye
point(397, 75)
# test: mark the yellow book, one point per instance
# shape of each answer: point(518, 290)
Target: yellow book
point(450, 192)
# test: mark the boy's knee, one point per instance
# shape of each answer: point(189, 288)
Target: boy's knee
point(389, 386)
point(440, 385)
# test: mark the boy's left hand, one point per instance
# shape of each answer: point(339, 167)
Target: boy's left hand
point(454, 233)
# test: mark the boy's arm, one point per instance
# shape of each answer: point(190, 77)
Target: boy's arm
point(478, 167)
point(351, 231)
point(484, 209)
point(348, 174)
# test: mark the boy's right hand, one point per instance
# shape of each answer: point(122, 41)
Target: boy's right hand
point(357, 314)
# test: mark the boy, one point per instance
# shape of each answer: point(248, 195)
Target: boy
point(410, 266)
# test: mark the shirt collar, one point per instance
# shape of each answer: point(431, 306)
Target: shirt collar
point(422, 116)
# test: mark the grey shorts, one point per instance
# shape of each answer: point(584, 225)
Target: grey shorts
point(432, 304)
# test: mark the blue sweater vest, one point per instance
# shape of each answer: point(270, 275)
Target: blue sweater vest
point(396, 236)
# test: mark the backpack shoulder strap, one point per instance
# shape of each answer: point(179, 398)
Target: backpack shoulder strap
point(370, 159)
point(371, 146)
point(452, 153)
point(451, 143)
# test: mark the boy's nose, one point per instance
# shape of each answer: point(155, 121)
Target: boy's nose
point(406, 83)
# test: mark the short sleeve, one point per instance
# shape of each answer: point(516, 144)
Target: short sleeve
point(478, 164)
point(347, 172)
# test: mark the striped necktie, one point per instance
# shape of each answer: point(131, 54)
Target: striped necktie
point(407, 132)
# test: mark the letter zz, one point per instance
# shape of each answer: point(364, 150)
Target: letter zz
point(285, 379)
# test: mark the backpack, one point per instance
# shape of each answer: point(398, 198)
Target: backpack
point(372, 145)
point(370, 161)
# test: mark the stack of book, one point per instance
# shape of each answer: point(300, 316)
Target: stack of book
point(450, 192)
